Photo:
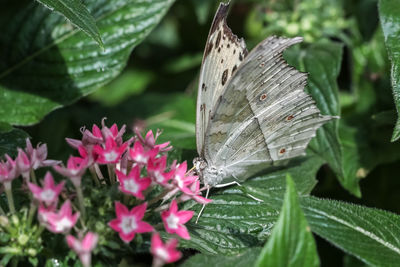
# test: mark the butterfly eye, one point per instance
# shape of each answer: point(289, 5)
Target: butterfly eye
point(263, 97)
point(282, 151)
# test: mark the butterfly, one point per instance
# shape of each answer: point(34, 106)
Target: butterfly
point(252, 110)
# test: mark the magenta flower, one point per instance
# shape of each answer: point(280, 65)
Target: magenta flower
point(76, 167)
point(113, 132)
point(49, 193)
point(23, 163)
point(181, 180)
point(111, 153)
point(174, 220)
point(43, 213)
point(139, 155)
point(129, 222)
point(150, 141)
point(38, 156)
point(164, 253)
point(83, 248)
point(92, 137)
point(132, 184)
point(8, 170)
point(195, 194)
point(62, 221)
point(156, 168)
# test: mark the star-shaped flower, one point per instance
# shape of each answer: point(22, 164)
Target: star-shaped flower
point(139, 155)
point(132, 184)
point(195, 194)
point(181, 180)
point(8, 170)
point(83, 248)
point(164, 253)
point(156, 168)
point(129, 222)
point(149, 142)
point(49, 193)
point(76, 167)
point(111, 153)
point(174, 220)
point(62, 221)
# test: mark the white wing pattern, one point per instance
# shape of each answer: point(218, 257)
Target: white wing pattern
point(261, 116)
point(222, 56)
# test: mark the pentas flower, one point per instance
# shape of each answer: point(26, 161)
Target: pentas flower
point(62, 221)
point(195, 194)
point(150, 141)
point(38, 156)
point(132, 184)
point(76, 167)
point(43, 213)
point(129, 222)
point(141, 156)
point(23, 163)
point(8, 170)
point(83, 248)
point(181, 180)
point(49, 193)
point(111, 153)
point(92, 137)
point(113, 132)
point(174, 220)
point(164, 253)
point(156, 168)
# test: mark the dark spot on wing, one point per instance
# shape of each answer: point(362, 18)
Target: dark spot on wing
point(224, 77)
point(208, 49)
point(282, 151)
point(240, 57)
point(234, 69)
point(234, 51)
point(219, 49)
point(218, 39)
point(222, 61)
point(228, 45)
point(263, 97)
point(204, 87)
point(289, 118)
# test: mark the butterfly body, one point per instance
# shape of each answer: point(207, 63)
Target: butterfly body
point(252, 111)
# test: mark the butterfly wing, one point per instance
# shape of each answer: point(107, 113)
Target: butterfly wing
point(263, 115)
point(223, 53)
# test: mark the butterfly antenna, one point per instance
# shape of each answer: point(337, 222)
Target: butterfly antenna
point(189, 171)
point(204, 205)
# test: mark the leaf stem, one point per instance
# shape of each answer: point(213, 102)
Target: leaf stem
point(79, 194)
point(8, 189)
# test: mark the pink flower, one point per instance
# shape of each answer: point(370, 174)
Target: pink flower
point(181, 180)
point(156, 168)
point(8, 170)
point(83, 248)
point(76, 167)
point(113, 132)
point(174, 220)
point(139, 155)
point(164, 253)
point(43, 213)
point(111, 153)
point(62, 221)
point(133, 184)
point(129, 222)
point(92, 137)
point(195, 194)
point(150, 141)
point(49, 193)
point(23, 163)
point(38, 156)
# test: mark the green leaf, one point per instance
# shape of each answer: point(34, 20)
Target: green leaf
point(322, 61)
point(246, 258)
point(389, 13)
point(291, 242)
point(369, 234)
point(45, 63)
point(78, 14)
point(11, 139)
point(234, 221)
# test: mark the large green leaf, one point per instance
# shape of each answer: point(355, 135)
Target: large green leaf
point(45, 63)
point(246, 258)
point(389, 13)
point(10, 139)
point(234, 221)
point(322, 61)
point(78, 14)
point(369, 234)
point(291, 242)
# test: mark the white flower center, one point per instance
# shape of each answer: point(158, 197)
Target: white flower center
point(159, 177)
point(63, 224)
point(47, 195)
point(179, 180)
point(111, 156)
point(141, 159)
point(131, 186)
point(162, 253)
point(128, 224)
point(172, 221)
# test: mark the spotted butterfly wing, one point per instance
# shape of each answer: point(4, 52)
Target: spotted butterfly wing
point(222, 55)
point(261, 116)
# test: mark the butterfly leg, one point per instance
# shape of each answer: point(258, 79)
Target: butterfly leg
point(204, 205)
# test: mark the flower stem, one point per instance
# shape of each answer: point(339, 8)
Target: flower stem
point(79, 194)
point(157, 198)
point(33, 176)
point(111, 173)
point(31, 213)
point(2, 211)
point(99, 174)
point(94, 176)
point(8, 189)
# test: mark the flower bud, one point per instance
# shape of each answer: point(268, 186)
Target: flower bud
point(4, 221)
point(23, 239)
point(32, 252)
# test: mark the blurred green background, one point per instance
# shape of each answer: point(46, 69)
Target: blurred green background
point(158, 87)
